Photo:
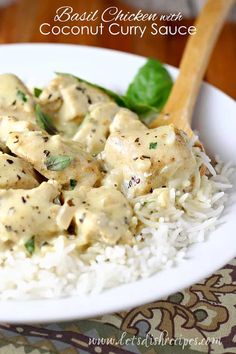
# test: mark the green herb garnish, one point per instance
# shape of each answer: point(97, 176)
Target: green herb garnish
point(73, 183)
point(58, 163)
point(44, 121)
point(37, 92)
point(30, 245)
point(152, 146)
point(21, 95)
point(150, 88)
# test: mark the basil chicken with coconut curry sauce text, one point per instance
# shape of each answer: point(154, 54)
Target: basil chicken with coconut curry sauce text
point(74, 157)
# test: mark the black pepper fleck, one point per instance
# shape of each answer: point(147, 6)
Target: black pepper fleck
point(8, 227)
point(80, 89)
point(126, 220)
point(144, 157)
point(46, 152)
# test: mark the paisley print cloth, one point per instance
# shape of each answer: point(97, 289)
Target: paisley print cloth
point(200, 319)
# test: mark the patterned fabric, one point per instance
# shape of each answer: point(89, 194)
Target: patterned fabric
point(201, 319)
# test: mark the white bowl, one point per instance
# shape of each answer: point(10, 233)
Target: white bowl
point(215, 119)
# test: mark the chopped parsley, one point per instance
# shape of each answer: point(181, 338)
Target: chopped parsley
point(37, 92)
point(30, 245)
point(21, 95)
point(58, 163)
point(152, 146)
point(44, 121)
point(73, 183)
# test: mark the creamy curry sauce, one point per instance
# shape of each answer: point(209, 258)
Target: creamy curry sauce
point(80, 181)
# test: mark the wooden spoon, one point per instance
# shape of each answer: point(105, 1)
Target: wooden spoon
point(179, 107)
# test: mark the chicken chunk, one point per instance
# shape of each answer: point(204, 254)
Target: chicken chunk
point(100, 214)
point(10, 124)
point(142, 160)
point(27, 213)
point(15, 98)
point(126, 120)
point(93, 132)
point(70, 99)
point(54, 157)
point(16, 173)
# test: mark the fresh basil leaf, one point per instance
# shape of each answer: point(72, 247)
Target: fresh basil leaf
point(44, 121)
point(30, 245)
point(37, 92)
point(73, 183)
point(150, 88)
point(21, 95)
point(119, 99)
point(58, 163)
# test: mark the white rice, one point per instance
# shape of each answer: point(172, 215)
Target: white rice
point(61, 271)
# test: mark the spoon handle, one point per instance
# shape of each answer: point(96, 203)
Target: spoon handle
point(179, 107)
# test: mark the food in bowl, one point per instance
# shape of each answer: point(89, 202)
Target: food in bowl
point(90, 197)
